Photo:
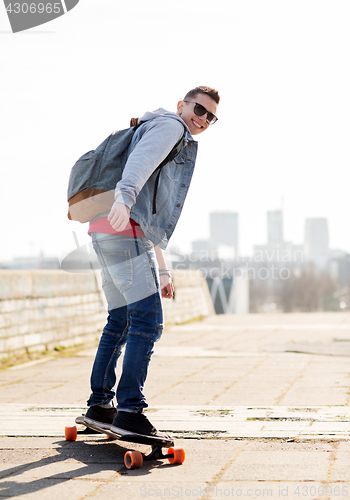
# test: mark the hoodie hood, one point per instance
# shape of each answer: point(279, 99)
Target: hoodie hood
point(150, 115)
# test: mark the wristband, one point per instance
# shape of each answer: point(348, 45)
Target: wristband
point(165, 272)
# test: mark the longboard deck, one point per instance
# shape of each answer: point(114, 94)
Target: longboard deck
point(131, 437)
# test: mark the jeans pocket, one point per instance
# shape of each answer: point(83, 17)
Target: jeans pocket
point(117, 264)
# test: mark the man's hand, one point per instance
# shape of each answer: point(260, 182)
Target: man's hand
point(166, 286)
point(119, 216)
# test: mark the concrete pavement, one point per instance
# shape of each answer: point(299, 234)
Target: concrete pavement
point(259, 402)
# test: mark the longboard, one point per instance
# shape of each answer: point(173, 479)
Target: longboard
point(134, 459)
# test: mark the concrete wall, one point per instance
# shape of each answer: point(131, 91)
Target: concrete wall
point(192, 298)
point(46, 309)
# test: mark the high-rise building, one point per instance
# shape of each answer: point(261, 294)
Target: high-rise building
point(224, 229)
point(275, 226)
point(316, 243)
point(276, 249)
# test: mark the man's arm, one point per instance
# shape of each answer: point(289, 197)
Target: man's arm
point(166, 284)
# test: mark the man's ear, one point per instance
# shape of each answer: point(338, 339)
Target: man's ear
point(180, 106)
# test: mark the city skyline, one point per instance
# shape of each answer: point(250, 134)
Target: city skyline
point(315, 242)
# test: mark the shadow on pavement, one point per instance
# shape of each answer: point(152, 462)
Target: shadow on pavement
point(97, 455)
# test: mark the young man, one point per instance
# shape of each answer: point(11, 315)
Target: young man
point(129, 243)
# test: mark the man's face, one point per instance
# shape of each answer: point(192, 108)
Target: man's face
point(196, 124)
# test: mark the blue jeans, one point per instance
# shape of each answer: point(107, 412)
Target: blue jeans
point(130, 281)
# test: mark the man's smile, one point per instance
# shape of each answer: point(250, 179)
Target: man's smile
point(196, 124)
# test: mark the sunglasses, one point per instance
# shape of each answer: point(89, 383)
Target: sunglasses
point(200, 110)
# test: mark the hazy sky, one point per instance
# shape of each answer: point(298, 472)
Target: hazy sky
point(283, 71)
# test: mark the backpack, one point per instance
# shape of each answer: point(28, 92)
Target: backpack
point(94, 176)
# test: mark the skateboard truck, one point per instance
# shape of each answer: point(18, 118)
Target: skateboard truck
point(157, 453)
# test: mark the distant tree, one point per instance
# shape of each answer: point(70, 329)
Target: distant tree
point(306, 290)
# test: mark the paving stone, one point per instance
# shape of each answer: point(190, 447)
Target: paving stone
point(344, 446)
point(46, 489)
point(341, 467)
point(279, 466)
point(65, 470)
point(143, 487)
point(315, 396)
point(285, 446)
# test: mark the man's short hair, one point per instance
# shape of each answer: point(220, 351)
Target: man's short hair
point(214, 94)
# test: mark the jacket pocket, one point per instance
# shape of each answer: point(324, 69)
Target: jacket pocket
point(173, 168)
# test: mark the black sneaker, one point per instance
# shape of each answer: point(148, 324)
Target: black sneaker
point(96, 415)
point(125, 422)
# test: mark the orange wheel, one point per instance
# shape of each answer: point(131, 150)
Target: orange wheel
point(70, 433)
point(133, 459)
point(179, 455)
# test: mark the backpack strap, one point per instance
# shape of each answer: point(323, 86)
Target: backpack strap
point(173, 154)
